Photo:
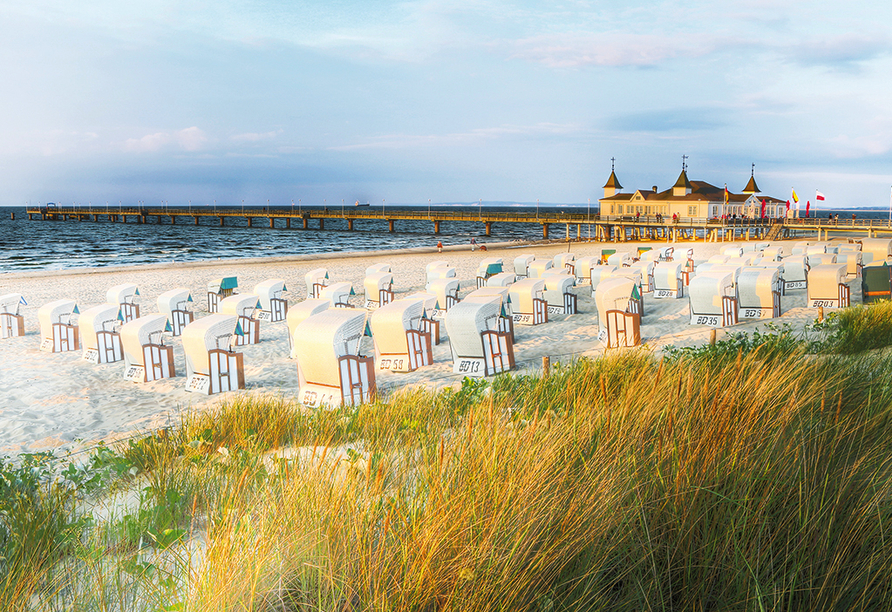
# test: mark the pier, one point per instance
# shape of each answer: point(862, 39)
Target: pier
point(598, 228)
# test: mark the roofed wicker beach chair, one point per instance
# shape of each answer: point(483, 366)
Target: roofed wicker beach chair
point(759, 293)
point(744, 260)
point(12, 322)
point(827, 286)
point(124, 296)
point(558, 294)
point(400, 343)
point(733, 251)
point(619, 312)
point(646, 268)
point(605, 254)
point(211, 364)
point(488, 267)
point(316, 280)
point(99, 334)
point(528, 301)
point(800, 248)
point(58, 332)
point(218, 289)
point(876, 282)
point(522, 265)
point(565, 260)
point(760, 247)
point(338, 294)
point(438, 269)
point(146, 357)
point(538, 267)
point(713, 298)
point(273, 305)
point(795, 272)
point(749, 247)
point(620, 260)
point(244, 306)
point(378, 289)
point(852, 260)
point(503, 279)
point(583, 269)
point(428, 323)
point(773, 252)
point(506, 320)
point(478, 347)
point(817, 259)
point(876, 249)
point(174, 304)
point(599, 273)
point(446, 290)
point(718, 259)
point(378, 267)
point(298, 313)
point(668, 282)
point(330, 368)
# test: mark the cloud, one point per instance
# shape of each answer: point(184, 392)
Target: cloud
point(407, 141)
point(685, 119)
point(255, 136)
point(845, 52)
point(189, 139)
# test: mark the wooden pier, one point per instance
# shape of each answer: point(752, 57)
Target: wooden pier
point(598, 228)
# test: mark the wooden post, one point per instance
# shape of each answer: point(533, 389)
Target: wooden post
point(12, 216)
point(221, 220)
point(488, 225)
point(250, 222)
point(288, 223)
point(272, 223)
point(712, 334)
point(306, 223)
point(546, 366)
point(545, 231)
point(349, 225)
point(390, 225)
point(436, 227)
point(195, 218)
point(321, 223)
point(820, 314)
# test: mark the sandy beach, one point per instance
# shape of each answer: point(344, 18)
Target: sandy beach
point(61, 402)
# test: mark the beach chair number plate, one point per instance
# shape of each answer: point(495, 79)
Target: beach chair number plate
point(314, 399)
point(711, 320)
point(665, 293)
point(795, 284)
point(199, 383)
point(556, 310)
point(135, 374)
point(263, 315)
point(469, 366)
point(523, 319)
point(47, 344)
point(823, 303)
point(397, 365)
point(750, 313)
point(371, 305)
point(91, 356)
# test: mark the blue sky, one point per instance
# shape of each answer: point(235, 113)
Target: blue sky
point(452, 101)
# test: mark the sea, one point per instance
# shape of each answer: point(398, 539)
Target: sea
point(48, 245)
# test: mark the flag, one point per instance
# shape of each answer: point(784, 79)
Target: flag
point(763, 208)
point(726, 193)
point(819, 196)
point(807, 206)
point(795, 197)
point(788, 204)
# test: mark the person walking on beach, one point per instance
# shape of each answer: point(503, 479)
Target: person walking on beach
point(439, 246)
point(473, 244)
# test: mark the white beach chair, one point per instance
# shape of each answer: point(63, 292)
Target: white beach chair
point(538, 267)
point(378, 289)
point(124, 297)
point(478, 347)
point(827, 286)
point(558, 294)
point(773, 252)
point(852, 261)
point(175, 305)
point(800, 248)
point(400, 345)
point(12, 322)
point(338, 294)
point(668, 282)
point(528, 301)
point(273, 305)
point(619, 315)
point(488, 267)
point(875, 249)
point(733, 251)
point(744, 260)
point(503, 279)
point(146, 357)
point(713, 298)
point(99, 333)
point(316, 280)
point(759, 293)
point(378, 267)
point(817, 259)
point(795, 272)
point(876, 282)
point(620, 260)
point(522, 265)
point(220, 288)
point(428, 323)
point(718, 259)
point(446, 290)
point(583, 269)
point(565, 260)
point(749, 247)
point(506, 320)
point(817, 248)
point(761, 246)
point(211, 364)
point(646, 268)
point(665, 253)
point(599, 273)
point(438, 269)
point(300, 312)
point(243, 306)
point(57, 332)
point(330, 368)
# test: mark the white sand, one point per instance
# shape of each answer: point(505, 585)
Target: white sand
point(58, 401)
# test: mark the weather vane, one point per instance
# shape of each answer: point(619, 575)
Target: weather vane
point(612, 162)
point(753, 170)
point(684, 165)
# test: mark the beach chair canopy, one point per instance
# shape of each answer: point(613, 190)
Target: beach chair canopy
point(749, 247)
point(613, 293)
point(503, 279)
point(302, 311)
point(269, 290)
point(320, 340)
point(11, 303)
point(522, 293)
point(733, 251)
point(427, 298)
point(756, 287)
point(599, 273)
point(773, 252)
point(761, 246)
point(436, 264)
point(125, 293)
point(746, 259)
point(557, 272)
point(522, 264)
point(824, 281)
point(667, 275)
point(441, 287)
point(487, 292)
point(707, 290)
point(137, 333)
point(852, 260)
point(338, 293)
point(848, 247)
point(584, 267)
point(375, 282)
point(103, 317)
point(218, 285)
point(319, 276)
point(175, 299)
point(816, 249)
point(211, 332)
point(718, 259)
point(562, 259)
point(795, 268)
point(539, 266)
point(59, 311)
point(378, 267)
point(241, 305)
point(467, 320)
point(489, 266)
point(440, 273)
point(816, 259)
point(619, 259)
point(556, 286)
point(390, 323)
point(876, 249)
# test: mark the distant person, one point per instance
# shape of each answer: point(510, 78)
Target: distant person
point(853, 216)
point(473, 244)
point(439, 246)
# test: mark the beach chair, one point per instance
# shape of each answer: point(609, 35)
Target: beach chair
point(876, 249)
point(795, 272)
point(620, 260)
point(558, 295)
point(713, 298)
point(438, 269)
point(773, 252)
point(687, 270)
point(124, 297)
point(300, 312)
point(488, 267)
point(400, 345)
point(827, 286)
point(218, 289)
point(646, 268)
point(718, 259)
point(446, 290)
point(759, 293)
point(665, 253)
point(428, 323)
point(528, 301)
point(744, 260)
point(876, 282)
point(12, 322)
point(599, 273)
point(852, 260)
point(817, 259)
point(273, 306)
point(538, 267)
point(633, 274)
point(818, 248)
point(316, 280)
point(503, 279)
point(760, 247)
point(800, 248)
point(583, 269)
point(478, 346)
point(667, 279)
point(619, 315)
point(749, 247)
point(243, 307)
point(175, 305)
point(57, 332)
point(146, 357)
point(733, 251)
point(605, 254)
point(378, 289)
point(506, 319)
point(338, 294)
point(378, 267)
point(211, 365)
point(522, 265)
point(644, 253)
point(99, 332)
point(565, 260)
point(330, 368)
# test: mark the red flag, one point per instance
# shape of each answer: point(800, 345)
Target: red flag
point(763, 208)
point(788, 204)
point(807, 206)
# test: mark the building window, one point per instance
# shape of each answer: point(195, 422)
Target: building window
point(692, 211)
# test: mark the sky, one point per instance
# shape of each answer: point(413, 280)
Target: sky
point(453, 101)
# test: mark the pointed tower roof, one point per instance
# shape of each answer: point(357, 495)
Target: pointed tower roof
point(683, 181)
point(613, 182)
point(751, 186)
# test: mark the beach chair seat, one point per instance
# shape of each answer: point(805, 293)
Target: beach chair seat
point(528, 302)
point(378, 289)
point(124, 296)
point(316, 280)
point(331, 370)
point(759, 293)
point(446, 290)
point(559, 296)
point(488, 267)
point(876, 282)
point(668, 282)
point(565, 260)
point(400, 343)
point(827, 286)
point(99, 334)
point(522, 265)
point(211, 365)
point(713, 299)
point(618, 302)
point(273, 305)
point(175, 305)
point(583, 269)
point(12, 322)
point(438, 269)
point(243, 306)
point(146, 357)
point(58, 333)
point(338, 294)
point(479, 347)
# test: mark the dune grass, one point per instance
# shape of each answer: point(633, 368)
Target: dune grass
point(859, 328)
point(758, 481)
